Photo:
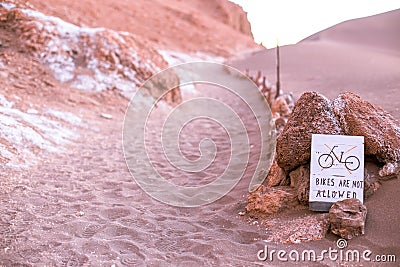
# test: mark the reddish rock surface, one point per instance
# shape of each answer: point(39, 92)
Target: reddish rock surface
point(389, 170)
point(371, 180)
point(381, 131)
point(300, 180)
point(276, 176)
point(347, 218)
point(281, 106)
point(220, 28)
point(91, 59)
point(267, 201)
point(348, 114)
point(312, 114)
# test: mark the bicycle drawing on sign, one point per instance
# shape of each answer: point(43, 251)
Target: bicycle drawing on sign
point(326, 160)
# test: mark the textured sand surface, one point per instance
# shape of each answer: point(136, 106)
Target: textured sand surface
point(82, 208)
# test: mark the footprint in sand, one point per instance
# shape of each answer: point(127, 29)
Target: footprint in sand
point(131, 261)
point(90, 230)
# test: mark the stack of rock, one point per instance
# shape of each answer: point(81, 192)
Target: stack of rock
point(313, 113)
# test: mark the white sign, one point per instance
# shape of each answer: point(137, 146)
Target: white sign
point(337, 168)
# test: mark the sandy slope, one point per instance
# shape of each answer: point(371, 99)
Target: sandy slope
point(380, 32)
point(362, 56)
point(364, 64)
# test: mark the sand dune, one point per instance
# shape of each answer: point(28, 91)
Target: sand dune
point(380, 32)
point(350, 56)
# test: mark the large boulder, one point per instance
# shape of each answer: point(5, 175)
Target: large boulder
point(347, 218)
point(312, 114)
point(380, 130)
point(348, 114)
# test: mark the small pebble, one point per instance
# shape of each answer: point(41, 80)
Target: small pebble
point(80, 213)
point(106, 116)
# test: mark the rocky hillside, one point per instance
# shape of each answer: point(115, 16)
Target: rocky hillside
point(57, 55)
point(213, 27)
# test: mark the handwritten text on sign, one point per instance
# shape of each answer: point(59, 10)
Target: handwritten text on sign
point(337, 168)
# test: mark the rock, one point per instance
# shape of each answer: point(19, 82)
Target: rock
point(380, 130)
point(233, 16)
point(300, 180)
point(289, 100)
point(371, 183)
point(347, 218)
point(159, 87)
point(276, 176)
point(312, 114)
point(106, 116)
point(280, 106)
point(267, 201)
point(280, 112)
point(280, 123)
point(389, 170)
point(13, 15)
